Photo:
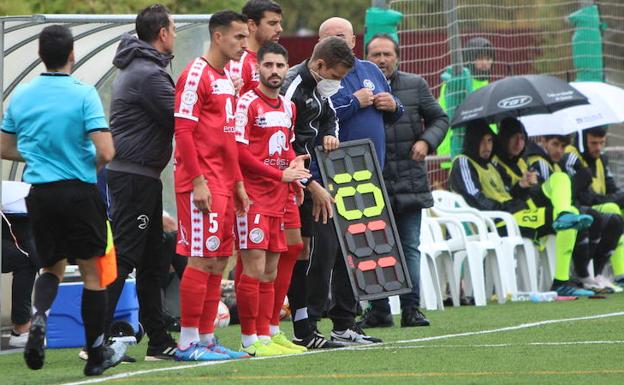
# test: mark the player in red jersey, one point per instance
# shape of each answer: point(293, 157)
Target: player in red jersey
point(264, 124)
point(208, 184)
point(264, 22)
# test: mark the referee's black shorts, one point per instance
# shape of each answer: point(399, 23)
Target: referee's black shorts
point(68, 220)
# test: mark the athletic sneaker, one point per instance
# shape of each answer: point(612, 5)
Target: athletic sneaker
point(316, 341)
point(259, 349)
point(619, 282)
point(572, 291)
point(195, 352)
point(607, 284)
point(166, 351)
point(590, 283)
point(112, 354)
point(83, 355)
point(567, 220)
point(279, 348)
point(218, 348)
point(280, 339)
point(34, 353)
point(353, 336)
point(18, 340)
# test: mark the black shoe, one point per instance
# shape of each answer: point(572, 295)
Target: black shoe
point(412, 316)
point(83, 355)
point(353, 336)
point(165, 351)
point(375, 319)
point(112, 355)
point(34, 353)
point(316, 341)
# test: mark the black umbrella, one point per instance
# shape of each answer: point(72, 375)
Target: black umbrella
point(517, 96)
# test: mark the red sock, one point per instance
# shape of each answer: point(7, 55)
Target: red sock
point(192, 293)
point(282, 282)
point(211, 304)
point(238, 269)
point(247, 300)
point(267, 294)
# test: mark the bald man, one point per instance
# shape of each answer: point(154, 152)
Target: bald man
point(363, 103)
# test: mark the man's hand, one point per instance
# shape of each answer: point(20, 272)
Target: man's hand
point(241, 199)
point(294, 172)
point(529, 179)
point(299, 195)
point(384, 101)
point(321, 202)
point(420, 149)
point(364, 96)
point(330, 143)
point(238, 84)
point(202, 199)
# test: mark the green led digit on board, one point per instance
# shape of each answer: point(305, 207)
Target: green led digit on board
point(342, 193)
point(362, 175)
point(342, 178)
point(379, 201)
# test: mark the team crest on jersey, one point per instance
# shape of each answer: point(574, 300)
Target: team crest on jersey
point(189, 97)
point(256, 235)
point(278, 143)
point(213, 243)
point(369, 84)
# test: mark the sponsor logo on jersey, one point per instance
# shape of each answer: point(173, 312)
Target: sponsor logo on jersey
point(213, 243)
point(277, 143)
point(256, 235)
point(369, 84)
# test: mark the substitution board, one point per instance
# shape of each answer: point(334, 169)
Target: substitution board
point(364, 222)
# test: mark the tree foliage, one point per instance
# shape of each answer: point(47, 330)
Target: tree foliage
point(297, 14)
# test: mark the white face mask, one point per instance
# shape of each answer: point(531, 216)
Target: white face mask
point(326, 87)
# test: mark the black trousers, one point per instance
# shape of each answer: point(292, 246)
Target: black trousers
point(136, 213)
point(327, 270)
point(24, 267)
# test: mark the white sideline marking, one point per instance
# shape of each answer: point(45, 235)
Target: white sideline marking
point(446, 336)
point(562, 343)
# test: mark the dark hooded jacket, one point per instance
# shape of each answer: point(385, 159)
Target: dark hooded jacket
point(423, 119)
point(141, 112)
point(507, 164)
point(465, 180)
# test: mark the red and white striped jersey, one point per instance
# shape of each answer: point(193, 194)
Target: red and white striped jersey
point(246, 69)
point(206, 97)
point(266, 126)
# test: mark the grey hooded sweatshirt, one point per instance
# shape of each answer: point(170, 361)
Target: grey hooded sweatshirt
point(141, 111)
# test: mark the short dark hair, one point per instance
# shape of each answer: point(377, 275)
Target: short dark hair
point(271, 47)
point(387, 37)
point(600, 131)
point(224, 19)
point(150, 21)
point(255, 9)
point(565, 139)
point(334, 51)
point(56, 42)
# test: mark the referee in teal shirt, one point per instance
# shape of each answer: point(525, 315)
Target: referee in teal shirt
point(56, 125)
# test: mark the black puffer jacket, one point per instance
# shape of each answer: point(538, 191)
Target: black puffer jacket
point(423, 119)
point(141, 113)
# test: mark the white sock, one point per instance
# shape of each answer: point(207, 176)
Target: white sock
point(274, 330)
point(248, 339)
point(264, 339)
point(208, 338)
point(187, 337)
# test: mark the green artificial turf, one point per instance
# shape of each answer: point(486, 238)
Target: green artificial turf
point(573, 352)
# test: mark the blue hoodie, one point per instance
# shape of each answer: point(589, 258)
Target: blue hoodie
point(361, 123)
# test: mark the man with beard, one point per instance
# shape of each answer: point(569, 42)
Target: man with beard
point(208, 184)
point(264, 132)
point(264, 22)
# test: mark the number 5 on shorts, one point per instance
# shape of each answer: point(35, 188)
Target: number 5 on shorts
point(214, 225)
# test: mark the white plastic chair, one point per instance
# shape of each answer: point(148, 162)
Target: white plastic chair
point(481, 254)
point(442, 249)
point(521, 264)
point(432, 253)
